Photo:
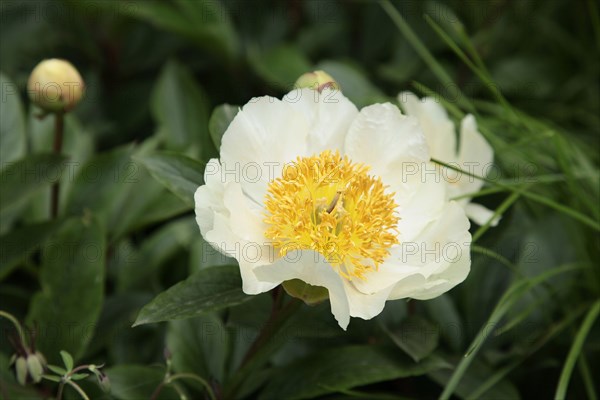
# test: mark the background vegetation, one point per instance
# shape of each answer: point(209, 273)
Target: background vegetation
point(521, 326)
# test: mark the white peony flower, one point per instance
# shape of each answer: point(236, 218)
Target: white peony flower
point(310, 188)
point(474, 154)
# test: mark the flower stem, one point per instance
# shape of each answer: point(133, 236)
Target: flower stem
point(17, 325)
point(170, 379)
point(59, 124)
point(78, 389)
point(264, 344)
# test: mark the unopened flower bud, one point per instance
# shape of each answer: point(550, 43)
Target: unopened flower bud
point(317, 80)
point(55, 86)
point(35, 367)
point(104, 383)
point(21, 370)
point(29, 368)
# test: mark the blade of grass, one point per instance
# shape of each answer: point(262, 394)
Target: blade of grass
point(480, 72)
point(498, 257)
point(576, 347)
point(532, 196)
point(549, 335)
point(595, 16)
point(422, 51)
point(497, 212)
point(588, 381)
point(510, 297)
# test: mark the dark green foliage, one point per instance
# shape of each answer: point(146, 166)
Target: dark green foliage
point(164, 79)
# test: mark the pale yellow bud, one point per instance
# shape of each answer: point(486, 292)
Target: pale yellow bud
point(317, 80)
point(55, 85)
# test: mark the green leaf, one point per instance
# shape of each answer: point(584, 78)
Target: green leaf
point(56, 369)
point(199, 345)
point(205, 23)
point(121, 193)
point(52, 378)
point(219, 122)
point(342, 368)
point(443, 311)
point(416, 336)
point(72, 281)
point(209, 289)
point(280, 67)
point(67, 359)
point(18, 244)
point(20, 179)
point(137, 382)
point(78, 377)
point(12, 123)
point(139, 269)
point(181, 109)
point(178, 173)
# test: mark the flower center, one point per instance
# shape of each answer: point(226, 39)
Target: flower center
point(329, 204)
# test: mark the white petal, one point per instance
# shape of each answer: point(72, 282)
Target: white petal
point(208, 198)
point(437, 127)
point(310, 267)
point(328, 115)
point(248, 254)
point(481, 215)
point(424, 205)
point(475, 155)
point(265, 134)
point(442, 253)
point(246, 218)
point(381, 137)
point(366, 306)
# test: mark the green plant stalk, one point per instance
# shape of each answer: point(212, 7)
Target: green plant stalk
point(588, 381)
point(78, 389)
point(17, 325)
point(576, 347)
point(258, 352)
point(59, 125)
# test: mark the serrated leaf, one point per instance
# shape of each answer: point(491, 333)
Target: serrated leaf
point(67, 359)
point(178, 173)
point(209, 289)
point(219, 122)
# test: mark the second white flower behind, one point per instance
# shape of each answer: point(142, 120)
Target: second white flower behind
point(474, 155)
point(310, 188)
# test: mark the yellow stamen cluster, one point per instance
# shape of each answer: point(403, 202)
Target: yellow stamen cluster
point(330, 205)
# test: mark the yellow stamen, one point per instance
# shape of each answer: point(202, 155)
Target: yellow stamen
point(329, 204)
